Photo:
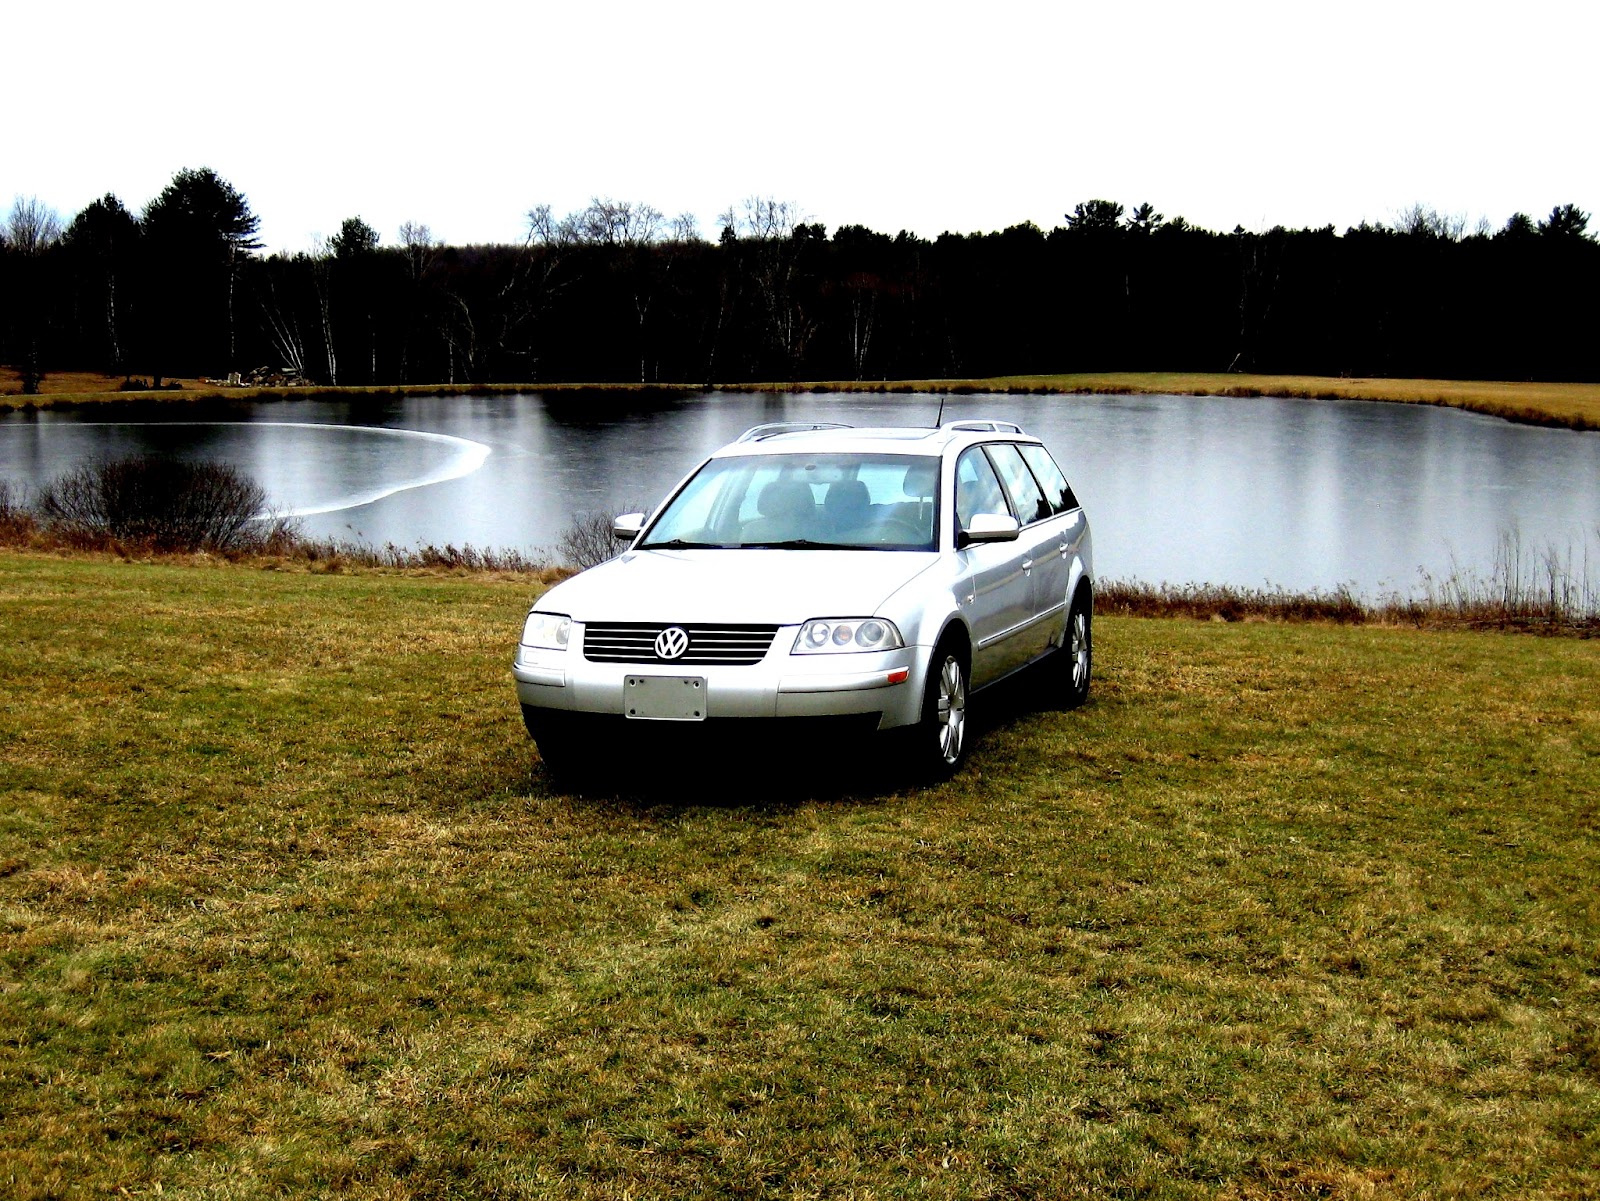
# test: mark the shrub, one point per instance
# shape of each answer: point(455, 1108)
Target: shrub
point(587, 541)
point(16, 522)
point(173, 506)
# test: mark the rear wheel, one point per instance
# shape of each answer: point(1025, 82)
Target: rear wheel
point(941, 736)
point(1076, 655)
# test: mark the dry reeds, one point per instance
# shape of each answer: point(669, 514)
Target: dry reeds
point(1552, 590)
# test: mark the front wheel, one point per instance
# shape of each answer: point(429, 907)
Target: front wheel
point(941, 735)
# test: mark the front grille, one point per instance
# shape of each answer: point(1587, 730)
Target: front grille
point(635, 642)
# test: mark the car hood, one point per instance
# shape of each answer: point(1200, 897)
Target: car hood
point(781, 586)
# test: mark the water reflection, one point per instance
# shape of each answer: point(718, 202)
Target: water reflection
point(1244, 491)
point(307, 468)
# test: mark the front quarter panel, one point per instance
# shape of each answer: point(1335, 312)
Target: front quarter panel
point(925, 605)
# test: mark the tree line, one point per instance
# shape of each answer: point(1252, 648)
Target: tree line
point(618, 292)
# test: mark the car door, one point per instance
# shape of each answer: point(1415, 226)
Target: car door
point(1043, 563)
point(1067, 526)
point(995, 591)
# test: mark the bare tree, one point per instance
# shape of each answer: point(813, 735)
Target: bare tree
point(770, 228)
point(543, 272)
point(632, 231)
point(767, 219)
point(416, 239)
point(544, 229)
point(421, 252)
point(684, 229)
point(1422, 221)
point(32, 228)
point(29, 233)
point(283, 330)
point(607, 222)
point(322, 283)
point(460, 339)
point(863, 316)
point(1260, 273)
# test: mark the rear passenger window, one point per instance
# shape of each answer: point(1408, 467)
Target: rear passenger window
point(1050, 478)
point(1029, 501)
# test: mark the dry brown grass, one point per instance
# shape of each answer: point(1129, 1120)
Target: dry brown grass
point(289, 908)
point(1566, 405)
point(58, 384)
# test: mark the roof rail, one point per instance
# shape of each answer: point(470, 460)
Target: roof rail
point(985, 427)
point(773, 428)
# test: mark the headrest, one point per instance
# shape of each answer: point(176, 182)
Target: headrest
point(785, 498)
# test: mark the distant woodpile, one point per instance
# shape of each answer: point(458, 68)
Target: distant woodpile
point(262, 377)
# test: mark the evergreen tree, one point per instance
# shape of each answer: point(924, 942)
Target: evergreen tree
point(201, 231)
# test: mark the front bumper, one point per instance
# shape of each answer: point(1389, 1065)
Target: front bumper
point(886, 683)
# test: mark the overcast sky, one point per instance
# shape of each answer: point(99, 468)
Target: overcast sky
point(922, 116)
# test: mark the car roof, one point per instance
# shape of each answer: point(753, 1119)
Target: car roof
point(800, 438)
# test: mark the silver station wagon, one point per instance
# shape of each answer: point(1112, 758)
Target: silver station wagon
point(814, 576)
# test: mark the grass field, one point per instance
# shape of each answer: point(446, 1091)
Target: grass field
point(288, 907)
point(1574, 406)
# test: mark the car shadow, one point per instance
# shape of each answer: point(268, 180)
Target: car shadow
point(778, 775)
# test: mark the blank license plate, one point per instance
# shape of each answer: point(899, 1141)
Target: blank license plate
point(665, 698)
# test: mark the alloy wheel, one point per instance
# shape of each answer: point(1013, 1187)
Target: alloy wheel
point(1079, 649)
point(951, 712)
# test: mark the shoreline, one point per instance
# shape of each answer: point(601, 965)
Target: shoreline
point(1574, 406)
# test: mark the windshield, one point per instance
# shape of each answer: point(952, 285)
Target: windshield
point(805, 502)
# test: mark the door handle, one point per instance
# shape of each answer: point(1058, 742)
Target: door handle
point(1027, 565)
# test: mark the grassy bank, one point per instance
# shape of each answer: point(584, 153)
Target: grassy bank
point(1572, 406)
point(287, 906)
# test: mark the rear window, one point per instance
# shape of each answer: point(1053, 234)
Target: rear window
point(1050, 478)
point(1029, 501)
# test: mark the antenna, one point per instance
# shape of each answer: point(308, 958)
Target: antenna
point(940, 417)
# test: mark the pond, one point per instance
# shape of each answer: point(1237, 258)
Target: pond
point(1250, 492)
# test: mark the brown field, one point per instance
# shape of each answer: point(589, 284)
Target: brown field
point(290, 908)
point(1570, 405)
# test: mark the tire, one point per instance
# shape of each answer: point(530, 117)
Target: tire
point(1076, 656)
point(941, 737)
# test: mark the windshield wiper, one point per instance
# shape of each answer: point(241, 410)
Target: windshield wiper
point(683, 544)
point(806, 544)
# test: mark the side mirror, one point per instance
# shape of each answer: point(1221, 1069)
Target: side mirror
point(626, 528)
point(989, 527)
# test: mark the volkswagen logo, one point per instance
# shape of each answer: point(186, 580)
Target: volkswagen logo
point(671, 642)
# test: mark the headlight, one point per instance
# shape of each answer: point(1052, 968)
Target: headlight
point(550, 630)
point(834, 635)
